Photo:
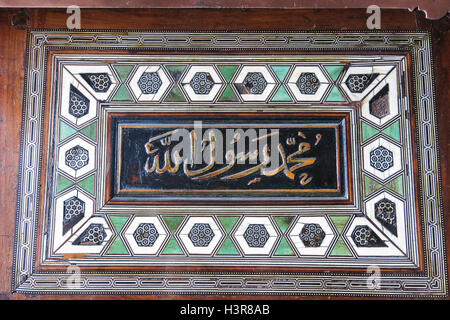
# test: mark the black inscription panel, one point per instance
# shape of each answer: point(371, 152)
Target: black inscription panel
point(285, 158)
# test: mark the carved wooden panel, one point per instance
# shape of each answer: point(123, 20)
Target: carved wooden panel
point(207, 162)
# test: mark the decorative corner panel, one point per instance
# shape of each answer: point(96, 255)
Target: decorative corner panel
point(264, 163)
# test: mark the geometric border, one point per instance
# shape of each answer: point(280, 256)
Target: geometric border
point(432, 282)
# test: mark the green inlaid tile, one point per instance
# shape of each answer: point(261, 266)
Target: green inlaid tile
point(280, 71)
point(284, 249)
point(228, 248)
point(117, 247)
point(65, 130)
point(340, 222)
point(228, 95)
point(335, 95)
point(173, 222)
point(334, 71)
point(368, 131)
point(119, 222)
point(281, 95)
point(88, 184)
point(176, 71)
point(175, 95)
point(63, 183)
point(122, 94)
point(283, 222)
point(340, 249)
point(228, 222)
point(172, 248)
point(393, 130)
point(371, 185)
point(123, 71)
point(396, 185)
point(90, 131)
point(228, 71)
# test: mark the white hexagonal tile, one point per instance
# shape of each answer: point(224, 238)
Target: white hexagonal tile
point(380, 70)
point(76, 157)
point(200, 235)
point(251, 245)
point(397, 208)
point(382, 158)
point(391, 100)
point(59, 235)
point(156, 76)
point(378, 246)
point(71, 88)
point(301, 72)
point(197, 72)
point(259, 72)
point(80, 72)
point(74, 245)
point(304, 246)
point(142, 243)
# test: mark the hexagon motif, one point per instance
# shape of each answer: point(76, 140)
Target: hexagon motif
point(146, 235)
point(256, 235)
point(100, 82)
point(308, 83)
point(149, 83)
point(358, 81)
point(312, 236)
point(72, 210)
point(387, 212)
point(98, 79)
point(382, 158)
point(381, 104)
point(76, 157)
point(200, 235)
point(254, 83)
point(78, 104)
point(368, 240)
point(90, 239)
point(202, 83)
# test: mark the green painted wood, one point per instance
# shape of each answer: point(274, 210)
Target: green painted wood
point(90, 131)
point(335, 95)
point(173, 222)
point(119, 222)
point(62, 183)
point(175, 95)
point(283, 222)
point(334, 71)
point(340, 222)
point(368, 131)
point(340, 249)
point(228, 95)
point(88, 184)
point(117, 247)
point(393, 130)
point(281, 71)
point(284, 249)
point(122, 94)
point(228, 222)
point(123, 71)
point(176, 71)
point(281, 95)
point(172, 248)
point(228, 248)
point(228, 71)
point(65, 131)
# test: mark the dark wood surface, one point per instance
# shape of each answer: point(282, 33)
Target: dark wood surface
point(12, 62)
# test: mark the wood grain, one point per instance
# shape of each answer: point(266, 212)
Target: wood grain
point(12, 62)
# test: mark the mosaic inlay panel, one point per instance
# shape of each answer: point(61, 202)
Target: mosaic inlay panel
point(331, 190)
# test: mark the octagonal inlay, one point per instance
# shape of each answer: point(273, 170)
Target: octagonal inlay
point(77, 157)
point(202, 83)
point(255, 82)
point(74, 209)
point(100, 82)
point(312, 235)
point(78, 103)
